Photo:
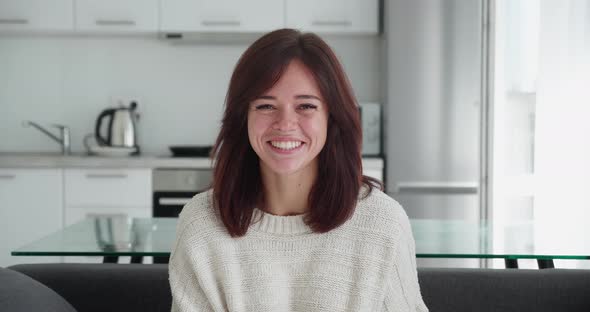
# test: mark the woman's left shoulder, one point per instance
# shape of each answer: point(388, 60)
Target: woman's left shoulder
point(375, 204)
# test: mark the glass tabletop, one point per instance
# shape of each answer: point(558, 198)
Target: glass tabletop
point(120, 236)
point(472, 239)
point(107, 236)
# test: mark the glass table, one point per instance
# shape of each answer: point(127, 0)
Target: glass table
point(108, 237)
point(112, 237)
point(471, 239)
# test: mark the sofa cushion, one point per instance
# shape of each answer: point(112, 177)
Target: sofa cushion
point(20, 293)
point(506, 290)
point(106, 287)
point(145, 287)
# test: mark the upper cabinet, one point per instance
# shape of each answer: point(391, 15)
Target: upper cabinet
point(120, 16)
point(221, 15)
point(333, 16)
point(36, 15)
point(178, 16)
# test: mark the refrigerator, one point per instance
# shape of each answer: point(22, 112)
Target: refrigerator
point(434, 116)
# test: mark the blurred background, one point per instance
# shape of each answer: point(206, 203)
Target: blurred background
point(472, 109)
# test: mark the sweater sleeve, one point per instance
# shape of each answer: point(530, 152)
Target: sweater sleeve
point(187, 292)
point(404, 290)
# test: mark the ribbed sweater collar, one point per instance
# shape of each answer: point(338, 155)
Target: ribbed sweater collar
point(269, 223)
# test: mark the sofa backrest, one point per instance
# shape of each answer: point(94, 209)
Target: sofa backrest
point(106, 287)
point(144, 287)
point(506, 290)
point(21, 293)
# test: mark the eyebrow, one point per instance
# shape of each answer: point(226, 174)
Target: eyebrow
point(300, 96)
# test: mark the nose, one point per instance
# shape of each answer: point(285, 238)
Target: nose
point(286, 120)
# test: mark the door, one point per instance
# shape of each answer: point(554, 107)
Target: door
point(117, 16)
point(37, 15)
point(334, 16)
point(31, 207)
point(221, 15)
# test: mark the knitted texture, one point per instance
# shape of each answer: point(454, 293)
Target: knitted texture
point(366, 264)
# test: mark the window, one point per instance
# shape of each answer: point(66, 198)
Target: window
point(541, 122)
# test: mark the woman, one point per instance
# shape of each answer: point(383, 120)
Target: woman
point(291, 224)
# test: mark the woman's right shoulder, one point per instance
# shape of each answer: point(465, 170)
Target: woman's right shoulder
point(199, 211)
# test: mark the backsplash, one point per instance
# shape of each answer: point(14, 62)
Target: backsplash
point(180, 88)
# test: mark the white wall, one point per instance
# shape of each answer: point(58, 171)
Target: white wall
point(181, 88)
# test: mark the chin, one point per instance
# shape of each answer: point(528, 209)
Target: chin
point(285, 168)
point(284, 171)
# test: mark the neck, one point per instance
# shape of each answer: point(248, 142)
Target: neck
point(286, 195)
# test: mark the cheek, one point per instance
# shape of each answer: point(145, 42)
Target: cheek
point(257, 125)
point(316, 127)
point(251, 129)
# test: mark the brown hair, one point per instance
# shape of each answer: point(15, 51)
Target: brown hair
point(237, 184)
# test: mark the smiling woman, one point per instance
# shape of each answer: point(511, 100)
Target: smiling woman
point(289, 89)
point(287, 129)
point(291, 224)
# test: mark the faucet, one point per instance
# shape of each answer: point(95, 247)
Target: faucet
point(63, 139)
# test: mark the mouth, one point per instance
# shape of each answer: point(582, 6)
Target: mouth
point(285, 146)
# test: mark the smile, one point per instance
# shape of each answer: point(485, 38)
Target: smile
point(286, 145)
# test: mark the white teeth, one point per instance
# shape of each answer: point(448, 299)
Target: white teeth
point(286, 145)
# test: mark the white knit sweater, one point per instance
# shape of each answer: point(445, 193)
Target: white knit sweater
point(367, 264)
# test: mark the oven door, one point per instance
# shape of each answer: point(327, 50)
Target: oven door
point(169, 204)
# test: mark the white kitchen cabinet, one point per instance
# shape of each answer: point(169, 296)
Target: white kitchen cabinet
point(112, 188)
point(117, 16)
point(333, 16)
point(37, 15)
point(221, 15)
point(105, 192)
point(75, 214)
point(31, 206)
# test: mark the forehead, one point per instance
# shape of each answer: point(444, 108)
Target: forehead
point(296, 79)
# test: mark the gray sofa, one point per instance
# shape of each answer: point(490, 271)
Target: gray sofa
point(143, 287)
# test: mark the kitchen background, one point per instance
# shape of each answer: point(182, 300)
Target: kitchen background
point(64, 62)
point(180, 88)
point(484, 103)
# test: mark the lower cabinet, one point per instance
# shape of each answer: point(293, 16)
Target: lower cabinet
point(31, 206)
point(106, 192)
point(76, 214)
point(38, 202)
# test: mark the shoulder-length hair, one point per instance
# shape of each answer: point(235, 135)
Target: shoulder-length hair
point(237, 183)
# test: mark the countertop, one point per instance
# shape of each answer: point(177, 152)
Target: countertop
point(54, 160)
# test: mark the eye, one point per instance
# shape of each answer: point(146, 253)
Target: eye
point(263, 107)
point(307, 106)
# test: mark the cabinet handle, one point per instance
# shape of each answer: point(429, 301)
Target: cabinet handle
point(106, 175)
point(106, 215)
point(331, 23)
point(101, 22)
point(13, 21)
point(437, 187)
point(175, 201)
point(7, 176)
point(220, 23)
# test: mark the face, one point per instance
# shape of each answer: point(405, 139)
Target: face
point(287, 125)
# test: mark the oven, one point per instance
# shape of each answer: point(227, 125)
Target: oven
point(174, 187)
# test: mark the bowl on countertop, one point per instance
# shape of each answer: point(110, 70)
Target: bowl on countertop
point(190, 150)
